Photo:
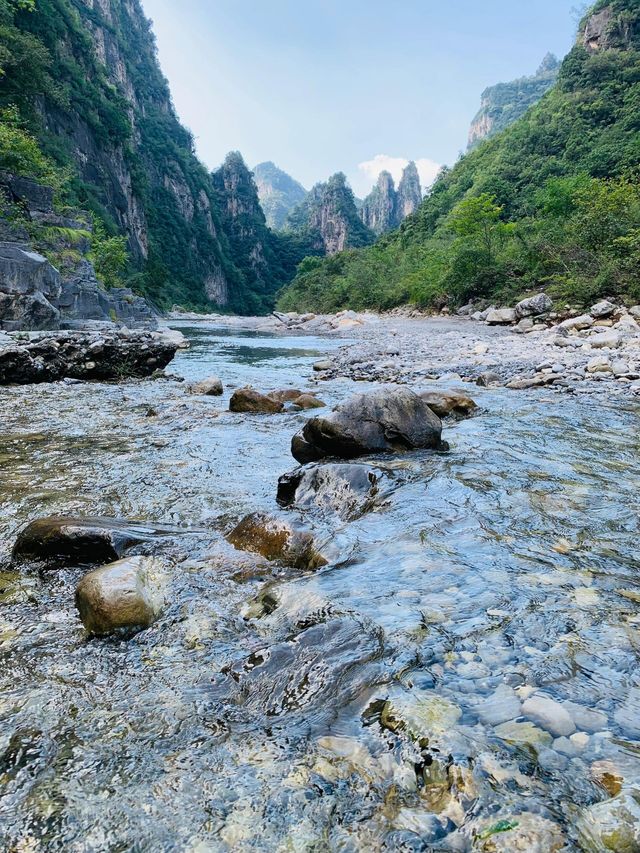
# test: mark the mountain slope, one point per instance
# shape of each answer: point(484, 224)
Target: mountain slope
point(328, 218)
point(385, 207)
point(504, 103)
point(279, 193)
point(86, 81)
point(553, 201)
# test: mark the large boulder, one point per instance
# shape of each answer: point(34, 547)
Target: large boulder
point(343, 489)
point(125, 595)
point(383, 421)
point(279, 539)
point(60, 540)
point(82, 298)
point(534, 305)
point(445, 403)
point(105, 356)
point(29, 286)
point(250, 401)
point(501, 316)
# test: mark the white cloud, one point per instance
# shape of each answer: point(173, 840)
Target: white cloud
point(427, 169)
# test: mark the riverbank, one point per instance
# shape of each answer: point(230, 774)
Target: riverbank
point(463, 667)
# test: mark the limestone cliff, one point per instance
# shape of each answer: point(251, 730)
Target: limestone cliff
point(385, 207)
point(329, 219)
point(96, 100)
point(504, 103)
point(278, 192)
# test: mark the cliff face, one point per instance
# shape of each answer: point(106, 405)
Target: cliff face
point(505, 103)
point(278, 192)
point(329, 219)
point(252, 244)
point(104, 109)
point(385, 207)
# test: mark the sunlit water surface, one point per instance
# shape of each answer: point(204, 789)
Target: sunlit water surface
point(513, 559)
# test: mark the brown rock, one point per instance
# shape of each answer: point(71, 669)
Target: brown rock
point(445, 403)
point(122, 595)
point(250, 401)
point(277, 538)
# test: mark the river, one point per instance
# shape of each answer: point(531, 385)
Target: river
point(509, 564)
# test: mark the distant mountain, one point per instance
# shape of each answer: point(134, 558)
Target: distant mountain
point(329, 219)
point(279, 193)
point(504, 103)
point(385, 207)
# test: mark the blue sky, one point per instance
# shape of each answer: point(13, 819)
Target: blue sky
point(320, 86)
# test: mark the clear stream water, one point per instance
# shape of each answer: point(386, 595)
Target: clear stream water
point(512, 561)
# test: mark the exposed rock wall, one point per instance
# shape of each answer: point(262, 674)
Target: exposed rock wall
point(385, 207)
point(278, 192)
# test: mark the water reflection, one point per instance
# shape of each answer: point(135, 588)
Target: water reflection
point(376, 704)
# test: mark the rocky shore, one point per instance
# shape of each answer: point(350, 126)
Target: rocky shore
point(586, 353)
point(109, 354)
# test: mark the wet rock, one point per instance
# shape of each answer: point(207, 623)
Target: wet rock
point(278, 538)
point(211, 387)
point(419, 713)
point(308, 401)
point(342, 489)
point(383, 421)
point(489, 377)
point(501, 706)
point(549, 715)
point(602, 309)
point(587, 719)
point(108, 355)
point(501, 317)
point(612, 825)
point(518, 833)
point(521, 383)
point(125, 595)
point(627, 715)
point(444, 403)
point(523, 733)
point(606, 774)
point(538, 304)
point(64, 540)
point(318, 671)
point(285, 395)
point(250, 401)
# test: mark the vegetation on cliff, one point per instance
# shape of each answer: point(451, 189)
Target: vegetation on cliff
point(552, 202)
point(85, 107)
point(505, 103)
point(279, 193)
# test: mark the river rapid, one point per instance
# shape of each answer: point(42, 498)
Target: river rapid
point(372, 705)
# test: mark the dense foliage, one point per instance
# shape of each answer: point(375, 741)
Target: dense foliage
point(526, 209)
point(86, 108)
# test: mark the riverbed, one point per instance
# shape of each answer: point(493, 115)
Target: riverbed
point(261, 711)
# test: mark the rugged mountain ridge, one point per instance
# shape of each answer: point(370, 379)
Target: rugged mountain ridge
point(85, 78)
point(328, 218)
point(278, 192)
point(550, 204)
point(385, 207)
point(504, 103)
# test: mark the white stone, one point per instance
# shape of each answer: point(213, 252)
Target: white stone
point(549, 715)
point(599, 364)
point(501, 316)
point(605, 339)
point(501, 706)
point(602, 309)
point(481, 349)
point(584, 321)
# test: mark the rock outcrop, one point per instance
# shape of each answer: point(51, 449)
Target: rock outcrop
point(504, 103)
point(384, 421)
point(278, 192)
point(29, 288)
point(328, 218)
point(99, 356)
point(385, 207)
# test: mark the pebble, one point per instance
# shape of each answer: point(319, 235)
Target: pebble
point(549, 715)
